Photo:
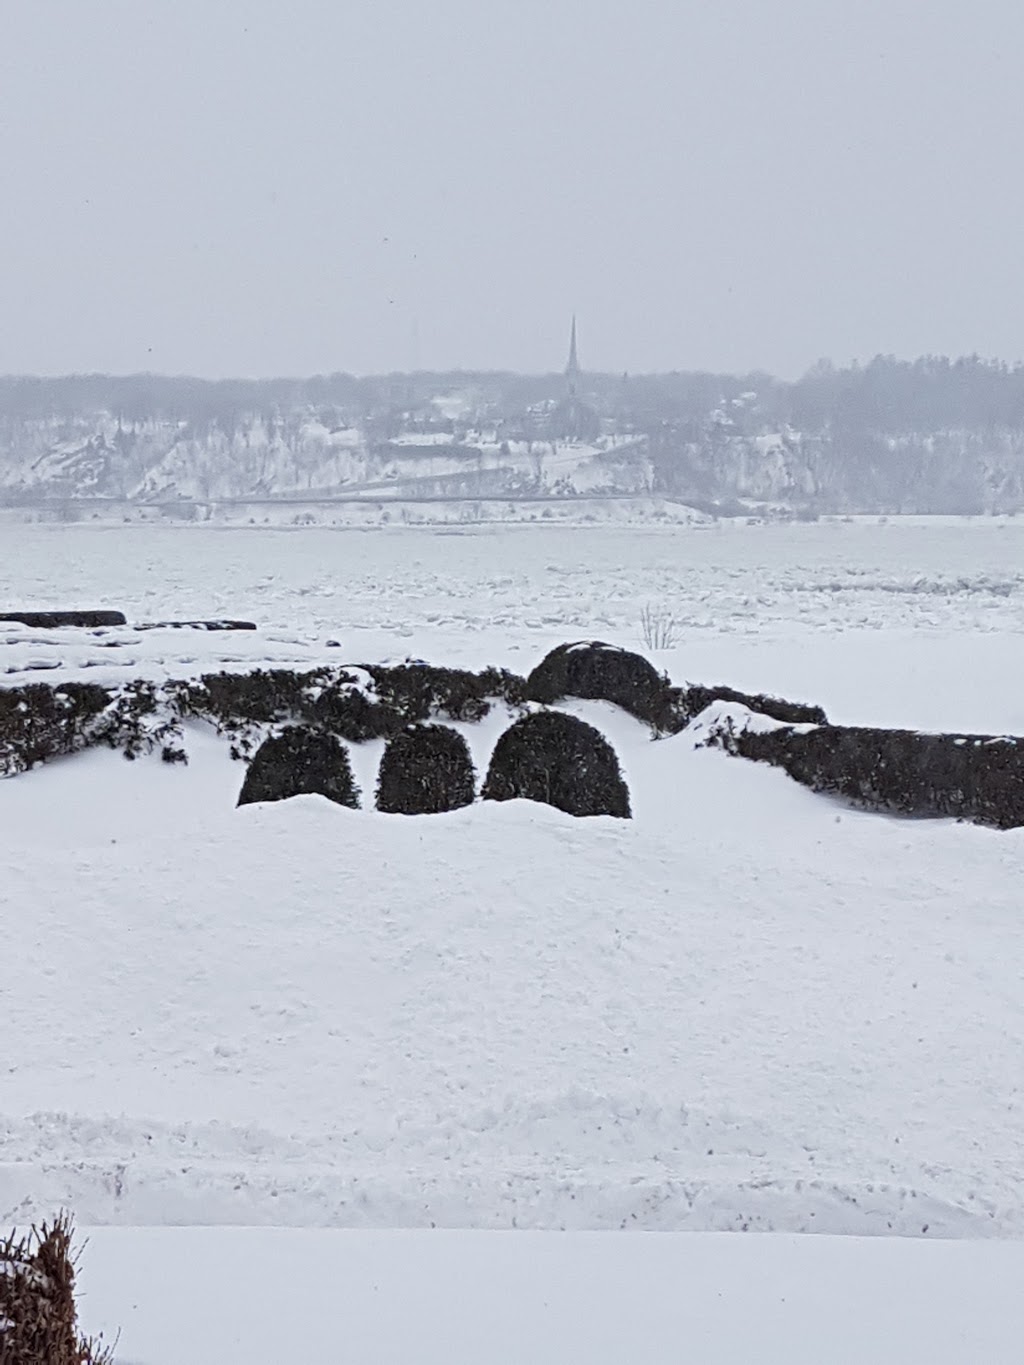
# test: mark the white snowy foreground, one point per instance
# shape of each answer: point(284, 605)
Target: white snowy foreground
point(185, 1296)
point(748, 1008)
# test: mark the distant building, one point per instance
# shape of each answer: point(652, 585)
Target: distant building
point(571, 419)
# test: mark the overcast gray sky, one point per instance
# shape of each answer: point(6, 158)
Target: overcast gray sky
point(263, 187)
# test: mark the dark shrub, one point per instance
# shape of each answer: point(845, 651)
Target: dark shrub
point(561, 761)
point(300, 762)
point(38, 722)
point(426, 769)
point(38, 1317)
point(88, 619)
point(601, 672)
point(968, 777)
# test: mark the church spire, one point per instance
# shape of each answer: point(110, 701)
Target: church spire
point(572, 370)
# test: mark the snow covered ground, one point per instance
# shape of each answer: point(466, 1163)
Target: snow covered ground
point(187, 1297)
point(747, 1008)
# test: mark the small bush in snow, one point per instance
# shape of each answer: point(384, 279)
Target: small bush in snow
point(561, 761)
point(657, 627)
point(426, 769)
point(300, 762)
point(38, 1319)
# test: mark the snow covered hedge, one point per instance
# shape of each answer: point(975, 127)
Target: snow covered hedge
point(979, 778)
point(355, 703)
point(40, 722)
point(969, 777)
point(597, 671)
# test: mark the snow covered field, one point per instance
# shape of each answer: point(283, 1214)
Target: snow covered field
point(914, 622)
point(747, 1008)
point(184, 1296)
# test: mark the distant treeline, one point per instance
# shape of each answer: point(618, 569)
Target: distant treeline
point(932, 393)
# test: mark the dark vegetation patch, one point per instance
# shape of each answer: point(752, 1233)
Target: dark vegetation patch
point(601, 672)
point(38, 722)
point(53, 619)
point(243, 705)
point(38, 1317)
point(300, 762)
point(417, 691)
point(42, 721)
point(967, 777)
point(561, 761)
point(426, 769)
point(376, 705)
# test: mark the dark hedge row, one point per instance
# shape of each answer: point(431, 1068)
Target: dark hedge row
point(38, 722)
point(300, 762)
point(967, 777)
point(560, 761)
point(597, 671)
point(546, 756)
point(337, 700)
point(372, 702)
point(41, 721)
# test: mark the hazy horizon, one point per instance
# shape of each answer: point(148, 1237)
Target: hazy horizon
point(477, 371)
point(222, 189)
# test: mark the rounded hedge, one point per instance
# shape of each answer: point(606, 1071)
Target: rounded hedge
point(426, 769)
point(560, 761)
point(300, 762)
point(601, 672)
